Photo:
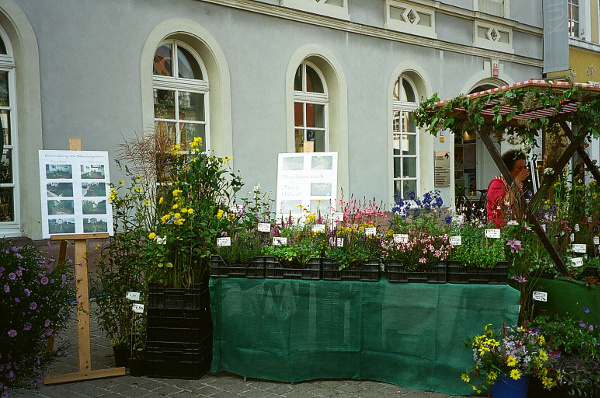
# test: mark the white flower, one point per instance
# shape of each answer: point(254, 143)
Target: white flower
point(548, 171)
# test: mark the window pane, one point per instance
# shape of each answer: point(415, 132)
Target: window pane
point(298, 79)
point(313, 81)
point(191, 106)
point(315, 115)
point(409, 167)
point(299, 140)
point(318, 136)
point(164, 104)
point(337, 3)
point(408, 186)
point(165, 134)
point(2, 47)
point(5, 120)
point(6, 167)
point(397, 167)
point(162, 61)
point(408, 93)
point(396, 144)
point(187, 65)
point(409, 144)
point(396, 121)
point(396, 92)
point(4, 88)
point(189, 132)
point(408, 122)
point(299, 114)
point(7, 205)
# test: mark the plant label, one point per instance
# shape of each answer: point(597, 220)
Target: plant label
point(336, 216)
point(455, 240)
point(577, 261)
point(493, 233)
point(339, 242)
point(223, 242)
point(401, 238)
point(318, 228)
point(264, 227)
point(138, 308)
point(572, 237)
point(278, 241)
point(540, 296)
point(371, 231)
point(543, 227)
point(161, 240)
point(236, 209)
point(596, 240)
point(576, 228)
point(579, 248)
point(133, 296)
point(461, 219)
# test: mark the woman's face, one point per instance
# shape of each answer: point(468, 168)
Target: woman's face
point(519, 165)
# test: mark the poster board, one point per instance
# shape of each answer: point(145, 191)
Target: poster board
point(74, 188)
point(442, 169)
point(306, 180)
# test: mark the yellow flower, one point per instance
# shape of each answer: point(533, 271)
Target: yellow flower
point(231, 216)
point(138, 189)
point(197, 142)
point(547, 381)
point(121, 182)
point(175, 206)
point(152, 235)
point(492, 376)
point(190, 211)
point(515, 375)
point(160, 200)
point(176, 192)
point(225, 160)
point(177, 215)
point(511, 361)
point(179, 221)
point(184, 210)
point(165, 218)
point(113, 342)
point(146, 202)
point(220, 214)
point(159, 265)
point(543, 355)
point(465, 377)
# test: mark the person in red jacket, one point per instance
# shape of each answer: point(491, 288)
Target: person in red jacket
point(500, 199)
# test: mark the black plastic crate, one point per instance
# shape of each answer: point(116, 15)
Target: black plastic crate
point(309, 271)
point(397, 273)
point(459, 274)
point(176, 360)
point(368, 272)
point(168, 330)
point(255, 269)
point(178, 318)
point(191, 298)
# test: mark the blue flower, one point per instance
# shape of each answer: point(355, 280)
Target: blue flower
point(448, 219)
point(586, 310)
point(411, 195)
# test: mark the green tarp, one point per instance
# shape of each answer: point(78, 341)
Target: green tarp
point(569, 296)
point(405, 334)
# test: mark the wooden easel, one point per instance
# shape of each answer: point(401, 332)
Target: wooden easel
point(83, 308)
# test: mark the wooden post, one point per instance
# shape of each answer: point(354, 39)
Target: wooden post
point(83, 306)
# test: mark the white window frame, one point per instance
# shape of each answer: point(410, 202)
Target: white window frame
point(480, 5)
point(7, 63)
point(319, 7)
point(178, 84)
point(306, 97)
point(408, 27)
point(489, 42)
point(404, 106)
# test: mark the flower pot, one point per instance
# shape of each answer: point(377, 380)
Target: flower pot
point(507, 387)
point(137, 367)
point(121, 356)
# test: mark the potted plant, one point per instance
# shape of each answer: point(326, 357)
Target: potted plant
point(506, 358)
point(34, 306)
point(352, 254)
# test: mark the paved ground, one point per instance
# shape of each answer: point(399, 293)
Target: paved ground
point(218, 385)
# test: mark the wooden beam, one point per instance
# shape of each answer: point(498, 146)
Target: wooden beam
point(582, 153)
point(87, 375)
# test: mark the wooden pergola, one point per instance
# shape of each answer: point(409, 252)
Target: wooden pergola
point(525, 110)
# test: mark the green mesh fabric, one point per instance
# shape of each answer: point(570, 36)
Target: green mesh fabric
point(405, 334)
point(569, 296)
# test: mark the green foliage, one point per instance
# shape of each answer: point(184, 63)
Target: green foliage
point(351, 247)
point(477, 251)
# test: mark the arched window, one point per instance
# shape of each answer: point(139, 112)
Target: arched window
point(8, 173)
point(310, 110)
point(180, 94)
point(405, 138)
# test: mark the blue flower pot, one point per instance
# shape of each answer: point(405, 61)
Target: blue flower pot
point(507, 387)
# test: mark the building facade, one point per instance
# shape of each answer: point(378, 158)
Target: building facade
point(254, 79)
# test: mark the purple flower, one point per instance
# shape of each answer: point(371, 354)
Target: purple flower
point(15, 249)
point(17, 300)
point(12, 276)
point(48, 244)
point(515, 245)
point(33, 306)
point(518, 278)
point(582, 324)
point(6, 288)
point(27, 326)
point(512, 222)
point(19, 257)
point(591, 327)
point(27, 292)
point(12, 333)
point(44, 280)
point(586, 310)
point(47, 323)
point(448, 219)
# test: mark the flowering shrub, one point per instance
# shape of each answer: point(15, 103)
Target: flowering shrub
point(420, 251)
point(513, 352)
point(351, 246)
point(34, 308)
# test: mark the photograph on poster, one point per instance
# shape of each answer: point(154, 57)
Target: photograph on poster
point(320, 189)
point(59, 189)
point(293, 163)
point(321, 163)
point(322, 207)
point(93, 225)
point(60, 207)
point(92, 172)
point(290, 206)
point(93, 206)
point(61, 225)
point(93, 189)
point(57, 171)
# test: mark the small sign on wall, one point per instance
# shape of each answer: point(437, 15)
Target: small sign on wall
point(442, 169)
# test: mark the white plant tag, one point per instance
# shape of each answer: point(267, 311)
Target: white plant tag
point(371, 231)
point(576, 228)
point(401, 238)
point(577, 261)
point(236, 209)
point(339, 242)
point(492, 233)
point(543, 227)
point(540, 296)
point(572, 237)
point(455, 240)
point(223, 242)
point(278, 240)
point(161, 240)
point(336, 216)
point(264, 227)
point(596, 240)
point(138, 308)
point(579, 248)
point(133, 296)
point(318, 228)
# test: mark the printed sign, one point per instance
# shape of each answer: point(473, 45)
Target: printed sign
point(492, 233)
point(455, 240)
point(371, 231)
point(577, 261)
point(264, 227)
point(596, 240)
point(401, 238)
point(133, 296)
point(224, 242)
point(579, 248)
point(318, 228)
point(540, 296)
point(138, 308)
point(278, 240)
point(74, 192)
